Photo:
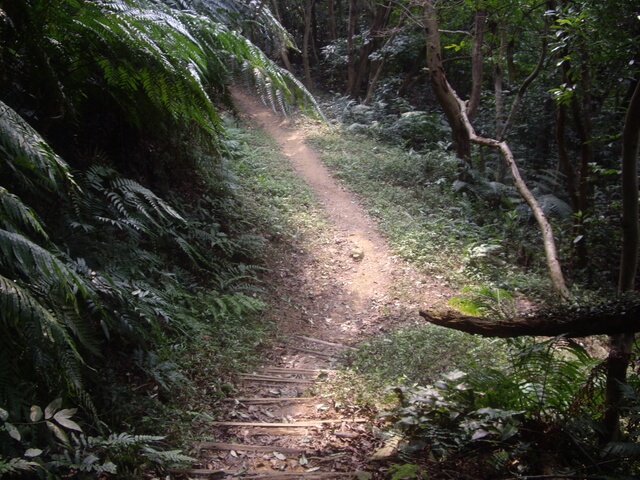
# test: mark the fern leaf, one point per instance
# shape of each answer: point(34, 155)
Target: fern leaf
point(18, 217)
point(28, 157)
point(24, 257)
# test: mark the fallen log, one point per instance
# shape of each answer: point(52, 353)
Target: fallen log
point(571, 322)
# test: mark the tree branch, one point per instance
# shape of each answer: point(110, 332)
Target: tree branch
point(573, 322)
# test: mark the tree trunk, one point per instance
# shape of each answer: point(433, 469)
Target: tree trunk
point(374, 81)
point(456, 114)
point(582, 120)
point(521, 91)
point(441, 88)
point(477, 61)
point(305, 44)
point(351, 55)
point(331, 20)
point(564, 163)
point(377, 24)
point(621, 345)
point(572, 322)
point(315, 41)
point(284, 56)
point(410, 77)
point(498, 81)
point(498, 69)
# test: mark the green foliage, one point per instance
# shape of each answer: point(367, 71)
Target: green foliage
point(502, 410)
point(404, 471)
point(121, 455)
point(485, 300)
point(427, 221)
point(144, 251)
point(414, 355)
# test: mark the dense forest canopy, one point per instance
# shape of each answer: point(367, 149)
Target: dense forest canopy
point(113, 146)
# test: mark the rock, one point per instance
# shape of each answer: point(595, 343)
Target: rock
point(357, 254)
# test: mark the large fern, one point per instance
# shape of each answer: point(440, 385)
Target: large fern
point(100, 262)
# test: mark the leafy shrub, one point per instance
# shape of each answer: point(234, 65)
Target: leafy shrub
point(506, 412)
point(419, 129)
point(75, 454)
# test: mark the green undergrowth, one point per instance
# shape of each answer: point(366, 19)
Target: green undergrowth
point(427, 221)
point(281, 206)
point(498, 406)
point(412, 355)
point(273, 203)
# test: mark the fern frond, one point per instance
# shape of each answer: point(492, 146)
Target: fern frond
point(550, 373)
point(17, 217)
point(16, 465)
point(485, 300)
point(26, 158)
point(25, 258)
point(18, 306)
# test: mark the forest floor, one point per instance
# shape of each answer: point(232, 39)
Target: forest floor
point(326, 293)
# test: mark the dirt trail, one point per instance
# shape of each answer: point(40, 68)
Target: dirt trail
point(366, 277)
point(367, 280)
point(344, 288)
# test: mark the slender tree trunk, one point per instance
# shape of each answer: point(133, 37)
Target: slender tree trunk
point(630, 228)
point(284, 56)
point(441, 88)
point(621, 345)
point(521, 92)
point(527, 82)
point(456, 112)
point(498, 69)
point(331, 20)
point(477, 60)
point(374, 81)
point(351, 55)
point(340, 23)
point(315, 41)
point(305, 44)
point(511, 64)
point(564, 163)
point(582, 120)
point(376, 28)
point(498, 82)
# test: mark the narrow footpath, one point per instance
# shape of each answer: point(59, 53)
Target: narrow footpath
point(278, 425)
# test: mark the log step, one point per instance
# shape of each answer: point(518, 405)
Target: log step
point(271, 400)
point(295, 371)
point(309, 351)
point(301, 424)
point(241, 447)
point(202, 472)
point(324, 342)
point(272, 379)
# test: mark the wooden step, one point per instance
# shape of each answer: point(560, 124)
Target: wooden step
point(202, 472)
point(324, 342)
point(300, 424)
point(242, 447)
point(273, 379)
point(295, 371)
point(309, 351)
point(271, 400)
